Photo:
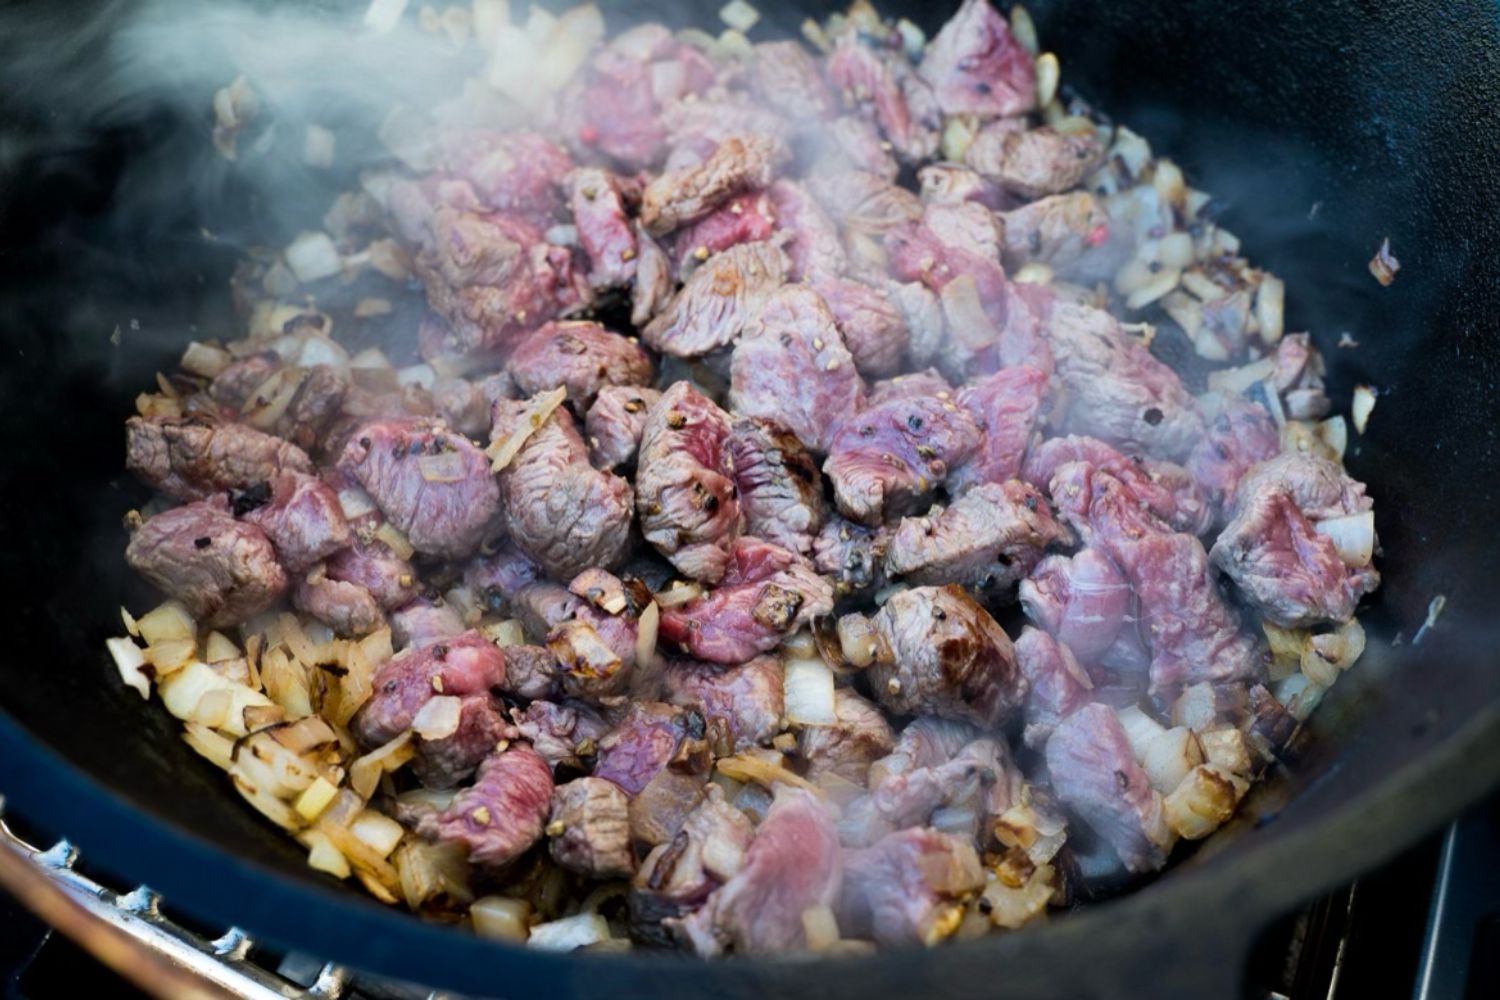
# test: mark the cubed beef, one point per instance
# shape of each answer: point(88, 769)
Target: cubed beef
point(612, 106)
point(595, 828)
point(812, 241)
point(233, 387)
point(655, 280)
point(748, 698)
point(1167, 489)
point(1298, 377)
point(562, 732)
point(1096, 776)
point(748, 217)
point(872, 327)
point(223, 570)
point(1273, 550)
point(864, 203)
point(740, 163)
point(677, 876)
point(976, 66)
point(912, 385)
point(1056, 230)
point(371, 565)
point(1194, 635)
point(433, 485)
point(497, 577)
point(615, 422)
point(789, 80)
point(766, 594)
point(503, 813)
point(447, 761)
point(1033, 163)
point(604, 229)
point(908, 888)
point(580, 356)
point(718, 301)
point(426, 620)
point(948, 658)
point(886, 461)
point(347, 608)
point(850, 745)
point(559, 510)
point(531, 673)
point(987, 540)
point(1058, 685)
point(514, 171)
point(852, 556)
point(303, 519)
point(1081, 599)
point(780, 488)
point(951, 184)
point(791, 365)
point(464, 405)
point(926, 327)
point(646, 740)
point(190, 459)
point(460, 665)
point(684, 483)
point(1006, 407)
point(792, 864)
point(699, 124)
point(878, 81)
point(852, 142)
point(1118, 391)
point(1240, 435)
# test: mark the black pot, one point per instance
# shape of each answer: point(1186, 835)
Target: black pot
point(1323, 128)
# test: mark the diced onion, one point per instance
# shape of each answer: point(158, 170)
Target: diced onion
point(1140, 728)
point(315, 798)
point(1013, 908)
point(438, 718)
point(1334, 432)
point(1023, 28)
point(1270, 306)
point(808, 687)
point(1238, 380)
point(365, 771)
point(739, 15)
point(1228, 749)
point(505, 633)
point(1352, 535)
point(313, 256)
point(750, 767)
point(377, 831)
point(858, 640)
point(447, 467)
point(645, 635)
point(394, 540)
point(355, 502)
point(1299, 695)
point(489, 16)
point(382, 16)
point(320, 350)
point(205, 359)
point(1202, 802)
point(1362, 406)
point(1175, 251)
point(820, 927)
point(181, 692)
point(1048, 75)
point(538, 409)
point(209, 744)
point(219, 648)
point(679, 594)
point(370, 358)
point(166, 621)
point(318, 147)
point(1154, 289)
point(322, 855)
point(501, 918)
point(1034, 273)
point(958, 136)
point(418, 375)
point(1169, 758)
point(428, 871)
point(131, 663)
point(569, 933)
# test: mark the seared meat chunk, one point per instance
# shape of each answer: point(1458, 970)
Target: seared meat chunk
point(947, 657)
point(654, 281)
point(780, 488)
point(233, 387)
point(986, 540)
point(976, 67)
point(1006, 407)
point(705, 852)
point(792, 864)
point(886, 460)
point(223, 570)
point(812, 241)
point(372, 566)
point(877, 81)
point(531, 673)
point(1298, 377)
point(595, 828)
point(424, 621)
point(748, 698)
point(562, 732)
point(190, 459)
point(464, 406)
point(615, 422)
point(1278, 555)
point(748, 217)
point(303, 519)
point(1056, 231)
point(718, 301)
point(502, 814)
point(685, 483)
point(925, 325)
point(951, 184)
point(738, 164)
point(1032, 163)
point(864, 203)
point(559, 510)
point(1118, 391)
point(604, 229)
point(1167, 489)
point(433, 485)
point(766, 594)
point(649, 738)
point(852, 555)
point(1096, 776)
point(1241, 435)
point(908, 888)
point(498, 577)
point(872, 327)
point(1193, 634)
point(912, 385)
point(1058, 685)
point(849, 746)
point(347, 608)
point(791, 365)
point(1081, 599)
point(788, 79)
point(505, 171)
point(579, 355)
point(445, 762)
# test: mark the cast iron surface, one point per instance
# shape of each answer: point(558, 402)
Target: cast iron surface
point(1325, 126)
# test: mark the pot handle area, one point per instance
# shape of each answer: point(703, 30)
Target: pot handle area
point(129, 934)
